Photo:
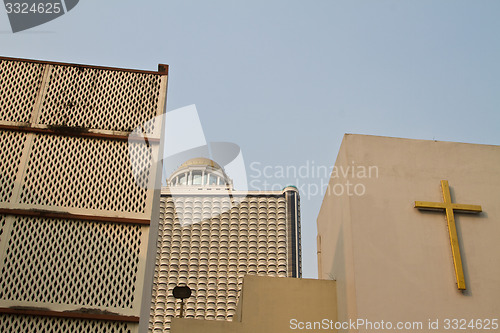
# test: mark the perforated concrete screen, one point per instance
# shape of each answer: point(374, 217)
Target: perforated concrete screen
point(97, 263)
point(94, 174)
point(92, 98)
point(36, 324)
point(74, 218)
point(21, 82)
point(78, 96)
point(219, 244)
point(11, 148)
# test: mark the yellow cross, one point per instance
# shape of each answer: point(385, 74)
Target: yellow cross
point(449, 208)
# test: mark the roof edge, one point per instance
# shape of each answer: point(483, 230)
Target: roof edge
point(162, 68)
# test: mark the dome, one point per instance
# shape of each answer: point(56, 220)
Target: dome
point(200, 161)
point(199, 172)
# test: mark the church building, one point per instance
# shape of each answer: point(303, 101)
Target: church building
point(420, 243)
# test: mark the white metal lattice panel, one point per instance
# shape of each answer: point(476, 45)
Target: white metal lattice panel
point(19, 84)
point(100, 98)
point(34, 324)
point(84, 173)
point(212, 255)
point(2, 226)
point(80, 264)
point(11, 148)
point(79, 166)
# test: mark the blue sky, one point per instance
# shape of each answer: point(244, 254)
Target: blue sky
point(286, 79)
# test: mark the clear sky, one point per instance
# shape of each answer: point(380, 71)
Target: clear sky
point(285, 79)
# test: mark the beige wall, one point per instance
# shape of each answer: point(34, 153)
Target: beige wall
point(269, 304)
point(393, 262)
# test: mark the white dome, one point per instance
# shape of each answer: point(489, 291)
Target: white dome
point(199, 172)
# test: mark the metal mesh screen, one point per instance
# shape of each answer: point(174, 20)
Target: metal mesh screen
point(100, 99)
point(212, 255)
point(11, 148)
point(63, 155)
point(34, 324)
point(84, 173)
point(2, 225)
point(71, 262)
point(19, 85)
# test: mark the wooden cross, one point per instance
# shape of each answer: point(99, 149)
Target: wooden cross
point(450, 208)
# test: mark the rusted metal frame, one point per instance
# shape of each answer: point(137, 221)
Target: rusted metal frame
point(77, 132)
point(162, 68)
point(69, 315)
point(63, 215)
